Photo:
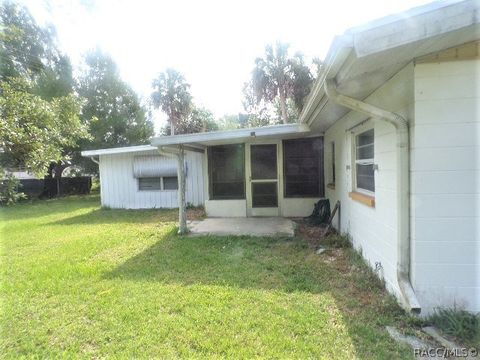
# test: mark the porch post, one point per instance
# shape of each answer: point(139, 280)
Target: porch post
point(182, 213)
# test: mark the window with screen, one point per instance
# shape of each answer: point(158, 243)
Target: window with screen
point(226, 169)
point(170, 183)
point(149, 183)
point(364, 166)
point(303, 167)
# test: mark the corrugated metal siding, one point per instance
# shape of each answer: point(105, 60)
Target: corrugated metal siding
point(119, 187)
point(154, 166)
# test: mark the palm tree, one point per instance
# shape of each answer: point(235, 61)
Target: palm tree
point(171, 94)
point(279, 76)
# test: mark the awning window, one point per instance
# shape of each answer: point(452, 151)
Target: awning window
point(154, 166)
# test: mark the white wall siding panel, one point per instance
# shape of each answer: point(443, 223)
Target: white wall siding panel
point(446, 184)
point(372, 229)
point(226, 208)
point(119, 187)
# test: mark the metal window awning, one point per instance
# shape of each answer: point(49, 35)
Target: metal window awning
point(154, 166)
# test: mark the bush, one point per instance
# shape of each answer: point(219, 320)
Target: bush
point(458, 323)
point(9, 193)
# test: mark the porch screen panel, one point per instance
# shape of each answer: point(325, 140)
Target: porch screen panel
point(303, 167)
point(264, 194)
point(264, 161)
point(226, 169)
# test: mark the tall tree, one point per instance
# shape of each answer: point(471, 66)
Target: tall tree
point(30, 51)
point(199, 120)
point(172, 94)
point(35, 132)
point(121, 118)
point(280, 76)
point(36, 79)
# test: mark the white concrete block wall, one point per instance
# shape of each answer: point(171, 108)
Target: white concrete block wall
point(445, 178)
point(372, 229)
point(119, 188)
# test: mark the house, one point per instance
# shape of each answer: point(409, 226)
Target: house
point(391, 129)
point(139, 177)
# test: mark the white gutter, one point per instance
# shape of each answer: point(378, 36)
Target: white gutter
point(227, 136)
point(179, 153)
point(403, 193)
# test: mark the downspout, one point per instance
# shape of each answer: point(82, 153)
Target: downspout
point(179, 153)
point(403, 194)
point(95, 160)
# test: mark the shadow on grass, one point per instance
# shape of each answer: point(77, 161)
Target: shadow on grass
point(112, 216)
point(273, 264)
point(47, 207)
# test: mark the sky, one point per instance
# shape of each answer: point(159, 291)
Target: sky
point(213, 43)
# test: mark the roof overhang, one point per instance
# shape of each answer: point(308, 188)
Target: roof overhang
point(233, 136)
point(366, 57)
point(120, 150)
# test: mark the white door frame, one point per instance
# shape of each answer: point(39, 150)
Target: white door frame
point(264, 211)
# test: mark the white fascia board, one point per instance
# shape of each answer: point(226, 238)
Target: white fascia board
point(230, 135)
point(417, 24)
point(121, 150)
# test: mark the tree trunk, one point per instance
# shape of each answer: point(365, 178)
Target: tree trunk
point(58, 170)
point(172, 128)
point(283, 106)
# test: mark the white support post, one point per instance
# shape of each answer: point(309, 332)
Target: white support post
point(182, 211)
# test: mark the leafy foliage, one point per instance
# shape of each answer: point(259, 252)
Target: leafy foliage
point(231, 122)
point(172, 95)
point(30, 51)
point(32, 66)
point(199, 120)
point(34, 131)
point(279, 76)
point(458, 323)
point(9, 190)
point(122, 120)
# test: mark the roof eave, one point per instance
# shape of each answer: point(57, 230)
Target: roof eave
point(230, 135)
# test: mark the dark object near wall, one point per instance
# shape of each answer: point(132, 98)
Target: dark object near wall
point(48, 188)
point(321, 213)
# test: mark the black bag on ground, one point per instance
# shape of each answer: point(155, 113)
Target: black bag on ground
point(320, 214)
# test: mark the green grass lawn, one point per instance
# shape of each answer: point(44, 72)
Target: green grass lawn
point(79, 281)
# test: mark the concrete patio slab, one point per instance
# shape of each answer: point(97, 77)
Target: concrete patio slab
point(265, 226)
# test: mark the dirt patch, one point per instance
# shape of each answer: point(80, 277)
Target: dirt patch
point(196, 214)
point(312, 234)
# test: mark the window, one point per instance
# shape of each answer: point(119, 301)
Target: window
point(226, 170)
point(170, 183)
point(149, 183)
point(157, 183)
point(303, 167)
point(364, 166)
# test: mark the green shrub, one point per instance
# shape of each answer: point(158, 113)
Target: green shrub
point(95, 189)
point(458, 323)
point(9, 193)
